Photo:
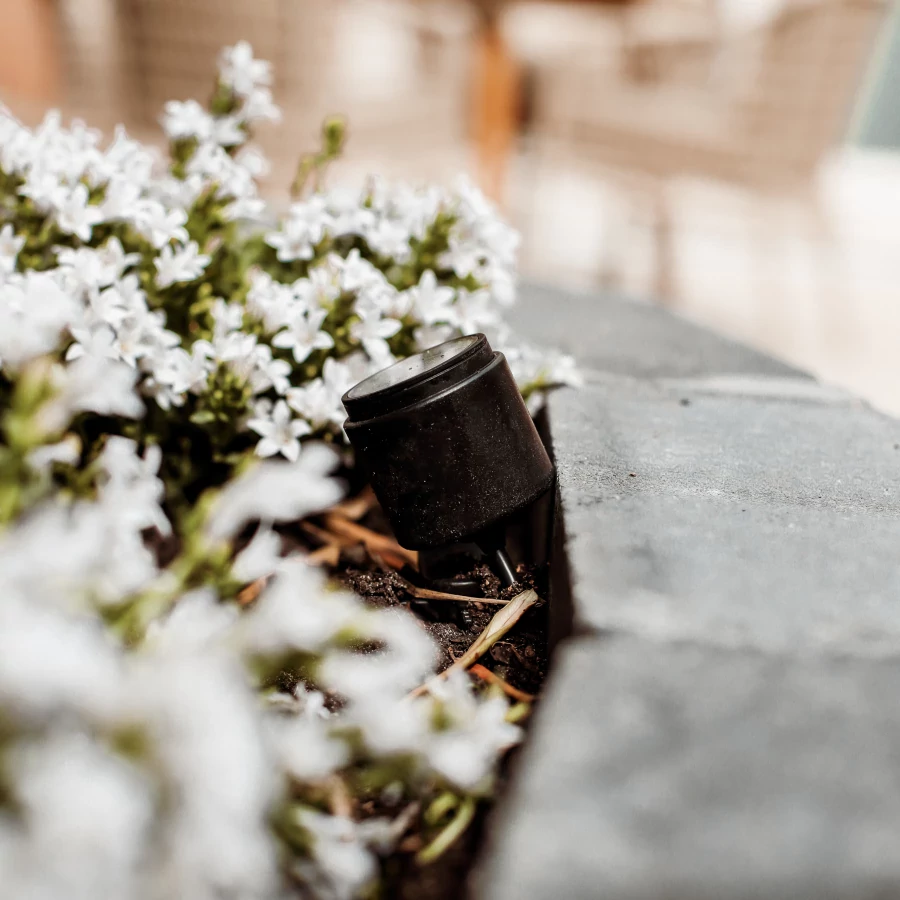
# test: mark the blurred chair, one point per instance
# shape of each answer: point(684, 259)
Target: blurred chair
point(758, 107)
point(396, 69)
point(498, 95)
point(399, 69)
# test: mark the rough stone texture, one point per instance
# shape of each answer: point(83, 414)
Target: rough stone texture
point(614, 335)
point(737, 519)
point(726, 724)
point(680, 772)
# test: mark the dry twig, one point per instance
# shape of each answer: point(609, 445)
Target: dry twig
point(420, 593)
point(325, 537)
point(427, 594)
point(356, 507)
point(248, 594)
point(493, 678)
point(496, 629)
point(329, 555)
point(379, 543)
point(340, 800)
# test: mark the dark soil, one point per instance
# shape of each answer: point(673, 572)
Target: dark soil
point(520, 659)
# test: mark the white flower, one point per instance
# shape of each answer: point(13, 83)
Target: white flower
point(187, 119)
point(347, 213)
point(357, 273)
point(272, 302)
point(114, 261)
point(188, 372)
point(132, 486)
point(259, 107)
point(10, 245)
point(228, 317)
point(305, 749)
point(260, 557)
point(474, 311)
point(134, 339)
point(67, 451)
point(85, 669)
point(72, 854)
point(253, 161)
point(212, 163)
point(96, 385)
point(198, 621)
point(227, 131)
point(390, 724)
point(432, 303)
point(393, 304)
point(564, 370)
point(241, 72)
point(220, 779)
point(476, 732)
point(75, 215)
point(120, 200)
point(34, 312)
point(303, 228)
point(44, 188)
point(277, 492)
point(502, 286)
point(82, 269)
point(319, 401)
point(303, 334)
point(270, 372)
point(179, 265)
point(293, 613)
point(322, 286)
point(372, 332)
point(97, 342)
point(280, 433)
point(345, 867)
point(249, 209)
point(161, 225)
point(389, 238)
point(407, 657)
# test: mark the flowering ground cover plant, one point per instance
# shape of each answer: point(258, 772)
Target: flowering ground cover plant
point(171, 366)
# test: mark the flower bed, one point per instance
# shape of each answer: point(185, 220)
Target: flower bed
point(170, 373)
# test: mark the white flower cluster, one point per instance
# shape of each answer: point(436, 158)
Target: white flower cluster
point(152, 341)
point(155, 772)
point(349, 279)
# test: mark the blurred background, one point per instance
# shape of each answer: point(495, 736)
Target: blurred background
point(734, 160)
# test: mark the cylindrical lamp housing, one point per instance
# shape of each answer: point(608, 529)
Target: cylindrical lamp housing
point(447, 442)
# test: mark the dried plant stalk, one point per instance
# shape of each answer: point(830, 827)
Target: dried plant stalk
point(247, 595)
point(329, 555)
point(493, 678)
point(325, 537)
point(428, 594)
point(496, 629)
point(355, 508)
point(380, 543)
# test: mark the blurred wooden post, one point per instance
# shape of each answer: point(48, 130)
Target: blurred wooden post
point(30, 62)
point(496, 86)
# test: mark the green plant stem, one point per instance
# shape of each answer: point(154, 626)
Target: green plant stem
point(441, 806)
point(449, 834)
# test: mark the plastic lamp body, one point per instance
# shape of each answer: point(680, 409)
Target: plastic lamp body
point(447, 442)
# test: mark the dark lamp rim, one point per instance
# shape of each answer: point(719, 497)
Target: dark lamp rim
point(418, 377)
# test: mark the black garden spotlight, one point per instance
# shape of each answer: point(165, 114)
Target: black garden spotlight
point(449, 447)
